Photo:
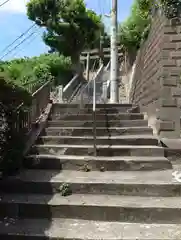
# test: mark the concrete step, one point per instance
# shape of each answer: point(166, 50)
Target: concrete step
point(60, 111)
point(110, 140)
point(102, 150)
point(130, 183)
point(100, 131)
point(93, 207)
point(78, 229)
point(123, 107)
point(112, 123)
point(99, 116)
point(68, 162)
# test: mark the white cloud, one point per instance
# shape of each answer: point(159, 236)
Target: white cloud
point(16, 6)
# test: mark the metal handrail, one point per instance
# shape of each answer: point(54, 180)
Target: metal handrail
point(94, 116)
point(31, 115)
point(75, 92)
point(78, 98)
point(67, 88)
point(92, 96)
point(81, 95)
point(88, 95)
point(70, 83)
point(100, 71)
point(90, 80)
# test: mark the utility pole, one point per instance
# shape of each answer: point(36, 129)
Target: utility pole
point(114, 55)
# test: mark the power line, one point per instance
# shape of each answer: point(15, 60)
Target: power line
point(4, 3)
point(29, 42)
point(18, 45)
point(18, 38)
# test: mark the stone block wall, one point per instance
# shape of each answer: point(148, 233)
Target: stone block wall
point(156, 82)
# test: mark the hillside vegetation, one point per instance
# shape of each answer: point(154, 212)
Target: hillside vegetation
point(135, 29)
point(31, 73)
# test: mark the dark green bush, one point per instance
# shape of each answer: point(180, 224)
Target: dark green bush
point(11, 150)
point(171, 8)
point(19, 78)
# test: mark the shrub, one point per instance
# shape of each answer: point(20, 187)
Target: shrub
point(11, 150)
point(31, 73)
point(18, 79)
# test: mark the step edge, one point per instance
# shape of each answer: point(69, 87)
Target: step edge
point(99, 146)
point(86, 200)
point(122, 137)
point(87, 224)
point(99, 158)
point(101, 128)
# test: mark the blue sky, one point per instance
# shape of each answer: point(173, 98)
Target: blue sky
point(13, 22)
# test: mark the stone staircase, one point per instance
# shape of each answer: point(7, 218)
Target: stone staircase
point(126, 192)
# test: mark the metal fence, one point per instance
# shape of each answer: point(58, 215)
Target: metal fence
point(25, 117)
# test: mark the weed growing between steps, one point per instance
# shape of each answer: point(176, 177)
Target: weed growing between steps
point(102, 169)
point(85, 168)
point(65, 189)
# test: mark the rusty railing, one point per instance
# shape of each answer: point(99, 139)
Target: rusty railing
point(25, 117)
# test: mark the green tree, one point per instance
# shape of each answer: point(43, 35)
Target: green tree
point(70, 27)
point(136, 27)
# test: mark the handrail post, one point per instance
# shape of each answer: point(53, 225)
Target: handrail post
point(88, 67)
point(94, 116)
point(60, 93)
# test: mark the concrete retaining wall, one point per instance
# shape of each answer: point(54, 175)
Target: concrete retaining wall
point(156, 82)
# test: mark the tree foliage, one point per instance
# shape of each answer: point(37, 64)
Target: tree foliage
point(70, 26)
point(18, 79)
point(171, 8)
point(31, 73)
point(135, 29)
